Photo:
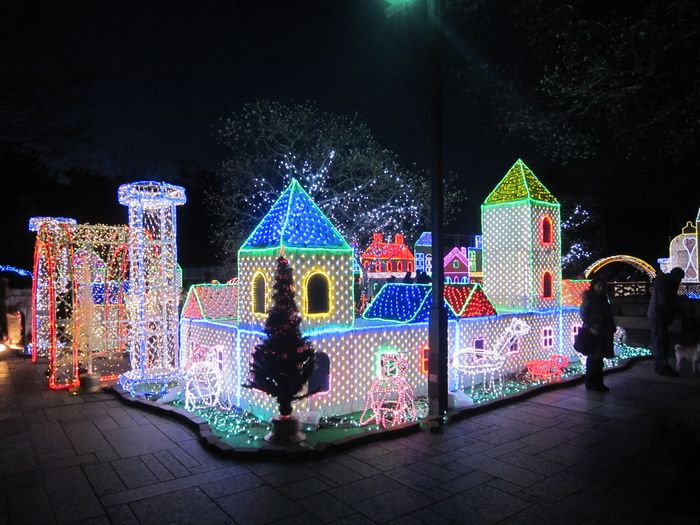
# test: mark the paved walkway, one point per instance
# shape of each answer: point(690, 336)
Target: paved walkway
point(565, 456)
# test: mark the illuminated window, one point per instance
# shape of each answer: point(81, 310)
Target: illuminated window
point(546, 231)
point(409, 267)
point(259, 294)
point(455, 264)
point(423, 358)
point(574, 332)
point(399, 266)
point(548, 338)
point(317, 290)
point(389, 266)
point(479, 343)
point(378, 266)
point(547, 285)
point(514, 348)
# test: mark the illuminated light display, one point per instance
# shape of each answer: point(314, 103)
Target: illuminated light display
point(396, 320)
point(456, 266)
point(154, 286)
point(547, 369)
point(390, 400)
point(78, 297)
point(203, 382)
point(297, 227)
point(384, 259)
point(683, 252)
point(514, 258)
point(14, 269)
point(489, 363)
point(211, 301)
point(627, 259)
point(422, 250)
point(572, 291)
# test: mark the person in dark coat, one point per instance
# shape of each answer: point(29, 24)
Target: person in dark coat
point(599, 325)
point(662, 310)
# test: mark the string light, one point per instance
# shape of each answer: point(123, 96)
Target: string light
point(154, 286)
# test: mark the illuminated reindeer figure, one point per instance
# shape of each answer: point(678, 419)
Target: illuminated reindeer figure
point(489, 363)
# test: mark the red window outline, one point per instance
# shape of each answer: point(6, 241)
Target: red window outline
point(547, 231)
point(547, 285)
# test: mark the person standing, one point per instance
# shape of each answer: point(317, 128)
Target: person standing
point(596, 336)
point(662, 310)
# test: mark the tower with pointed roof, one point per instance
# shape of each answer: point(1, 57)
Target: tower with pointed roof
point(520, 223)
point(320, 257)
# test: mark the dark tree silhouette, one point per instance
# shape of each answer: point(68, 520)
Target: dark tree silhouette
point(282, 364)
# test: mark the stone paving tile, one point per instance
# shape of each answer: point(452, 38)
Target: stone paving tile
point(30, 506)
point(411, 478)
point(183, 506)
point(71, 496)
point(556, 487)
point(466, 482)
point(134, 472)
point(48, 436)
point(481, 504)
point(603, 509)
point(336, 474)
point(532, 463)
point(85, 437)
point(292, 475)
point(308, 487)
point(104, 479)
point(365, 489)
point(238, 482)
point(326, 507)
point(170, 462)
point(164, 487)
point(156, 467)
point(543, 512)
point(390, 505)
point(128, 443)
point(17, 457)
point(246, 508)
point(503, 470)
point(362, 468)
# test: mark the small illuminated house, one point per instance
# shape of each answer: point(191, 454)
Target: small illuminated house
point(683, 252)
point(386, 259)
point(522, 280)
point(456, 266)
point(423, 253)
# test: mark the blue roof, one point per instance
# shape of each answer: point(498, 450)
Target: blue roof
point(425, 239)
point(403, 303)
point(294, 221)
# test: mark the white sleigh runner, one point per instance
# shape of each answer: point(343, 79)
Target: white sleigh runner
point(489, 363)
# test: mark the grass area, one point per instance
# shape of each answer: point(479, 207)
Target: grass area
point(242, 429)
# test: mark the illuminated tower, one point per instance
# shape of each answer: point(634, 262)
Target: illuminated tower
point(154, 290)
point(520, 223)
point(320, 257)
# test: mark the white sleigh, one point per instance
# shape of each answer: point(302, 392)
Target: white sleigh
point(488, 363)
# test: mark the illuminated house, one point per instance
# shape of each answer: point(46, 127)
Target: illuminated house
point(423, 253)
point(456, 266)
point(683, 252)
point(350, 349)
point(521, 243)
point(386, 259)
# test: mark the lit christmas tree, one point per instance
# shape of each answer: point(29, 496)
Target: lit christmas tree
point(284, 361)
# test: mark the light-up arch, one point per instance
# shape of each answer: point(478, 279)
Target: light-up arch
point(627, 259)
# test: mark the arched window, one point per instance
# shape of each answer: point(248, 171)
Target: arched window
point(409, 267)
point(399, 266)
point(259, 293)
point(388, 266)
point(317, 291)
point(546, 230)
point(377, 266)
point(547, 285)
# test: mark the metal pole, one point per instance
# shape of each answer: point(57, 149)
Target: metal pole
point(437, 355)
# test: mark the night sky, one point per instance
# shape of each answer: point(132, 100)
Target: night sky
point(163, 73)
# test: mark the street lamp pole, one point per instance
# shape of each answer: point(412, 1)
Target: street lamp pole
point(437, 355)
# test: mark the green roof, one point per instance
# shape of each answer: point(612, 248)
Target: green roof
point(519, 184)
